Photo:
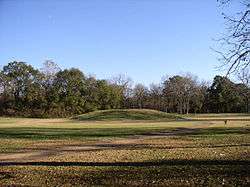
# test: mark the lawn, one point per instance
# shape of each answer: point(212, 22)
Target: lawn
point(67, 152)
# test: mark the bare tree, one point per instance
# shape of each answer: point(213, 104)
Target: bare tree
point(49, 69)
point(155, 94)
point(140, 93)
point(236, 53)
point(1, 82)
point(124, 82)
point(244, 76)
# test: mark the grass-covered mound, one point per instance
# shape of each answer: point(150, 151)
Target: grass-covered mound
point(127, 114)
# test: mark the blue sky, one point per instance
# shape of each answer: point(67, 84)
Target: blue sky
point(144, 39)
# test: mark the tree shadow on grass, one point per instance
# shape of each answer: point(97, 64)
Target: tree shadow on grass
point(5, 175)
point(173, 162)
point(162, 173)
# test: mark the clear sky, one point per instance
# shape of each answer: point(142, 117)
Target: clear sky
point(144, 39)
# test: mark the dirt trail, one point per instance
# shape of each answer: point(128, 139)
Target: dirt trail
point(41, 154)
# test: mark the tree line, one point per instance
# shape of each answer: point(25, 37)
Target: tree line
point(52, 92)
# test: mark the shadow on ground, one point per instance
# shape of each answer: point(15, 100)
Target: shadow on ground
point(163, 173)
point(133, 164)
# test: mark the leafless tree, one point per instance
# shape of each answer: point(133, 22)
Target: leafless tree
point(155, 94)
point(244, 76)
point(140, 95)
point(124, 82)
point(1, 82)
point(49, 69)
point(235, 55)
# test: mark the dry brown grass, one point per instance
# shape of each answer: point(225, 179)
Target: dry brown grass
point(64, 152)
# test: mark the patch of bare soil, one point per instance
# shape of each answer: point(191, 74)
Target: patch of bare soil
point(37, 154)
point(18, 156)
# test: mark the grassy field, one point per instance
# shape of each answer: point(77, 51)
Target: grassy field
point(50, 152)
point(128, 114)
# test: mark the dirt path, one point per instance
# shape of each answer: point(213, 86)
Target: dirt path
point(132, 141)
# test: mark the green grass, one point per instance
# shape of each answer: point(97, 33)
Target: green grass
point(127, 114)
point(94, 133)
